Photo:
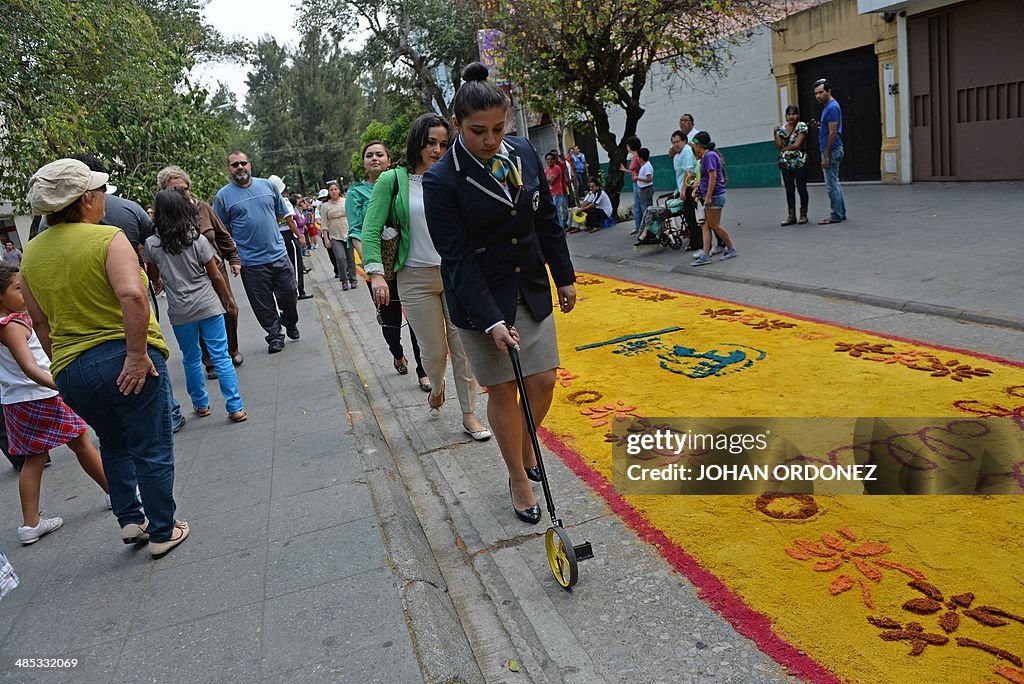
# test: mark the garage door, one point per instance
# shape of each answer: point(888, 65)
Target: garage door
point(967, 92)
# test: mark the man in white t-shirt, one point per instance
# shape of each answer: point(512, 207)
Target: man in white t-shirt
point(596, 205)
point(686, 126)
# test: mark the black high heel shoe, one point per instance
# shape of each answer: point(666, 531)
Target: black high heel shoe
point(529, 515)
point(533, 473)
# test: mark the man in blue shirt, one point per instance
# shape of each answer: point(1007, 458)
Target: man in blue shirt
point(250, 209)
point(830, 141)
point(579, 163)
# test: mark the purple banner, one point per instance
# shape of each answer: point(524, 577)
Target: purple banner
point(492, 53)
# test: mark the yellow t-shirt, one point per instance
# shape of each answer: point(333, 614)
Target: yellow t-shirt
point(65, 266)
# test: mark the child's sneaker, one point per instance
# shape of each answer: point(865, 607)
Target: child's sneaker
point(30, 535)
point(728, 254)
point(701, 260)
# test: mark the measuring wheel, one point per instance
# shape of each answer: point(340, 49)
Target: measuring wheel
point(561, 557)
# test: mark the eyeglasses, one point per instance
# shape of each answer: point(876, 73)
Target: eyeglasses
point(237, 164)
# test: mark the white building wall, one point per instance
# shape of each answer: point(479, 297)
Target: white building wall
point(736, 108)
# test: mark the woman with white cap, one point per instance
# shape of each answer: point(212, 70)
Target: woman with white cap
point(292, 237)
point(109, 359)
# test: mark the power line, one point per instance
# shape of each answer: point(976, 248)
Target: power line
point(306, 147)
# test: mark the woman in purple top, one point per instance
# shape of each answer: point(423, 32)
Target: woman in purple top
point(712, 191)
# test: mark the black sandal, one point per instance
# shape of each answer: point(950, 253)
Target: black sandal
point(402, 366)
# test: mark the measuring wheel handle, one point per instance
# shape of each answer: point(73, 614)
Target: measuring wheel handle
point(563, 556)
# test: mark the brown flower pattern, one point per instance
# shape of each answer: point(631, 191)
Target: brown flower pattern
point(914, 359)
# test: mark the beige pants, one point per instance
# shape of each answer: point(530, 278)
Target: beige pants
point(426, 310)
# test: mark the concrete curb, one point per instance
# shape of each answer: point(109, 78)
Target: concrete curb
point(439, 641)
point(902, 305)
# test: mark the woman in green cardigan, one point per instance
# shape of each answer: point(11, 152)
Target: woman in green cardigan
point(418, 267)
point(376, 159)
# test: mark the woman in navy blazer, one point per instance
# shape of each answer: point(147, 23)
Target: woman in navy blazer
point(491, 218)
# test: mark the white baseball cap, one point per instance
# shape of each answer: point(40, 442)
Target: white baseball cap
point(60, 183)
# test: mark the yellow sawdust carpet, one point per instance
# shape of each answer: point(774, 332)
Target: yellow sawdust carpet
point(851, 588)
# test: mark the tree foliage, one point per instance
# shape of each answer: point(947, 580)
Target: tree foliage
point(307, 109)
point(393, 134)
point(109, 78)
point(577, 59)
point(430, 40)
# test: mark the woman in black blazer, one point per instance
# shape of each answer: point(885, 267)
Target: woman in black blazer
point(491, 218)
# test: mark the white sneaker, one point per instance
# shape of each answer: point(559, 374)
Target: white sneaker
point(717, 249)
point(30, 535)
point(110, 506)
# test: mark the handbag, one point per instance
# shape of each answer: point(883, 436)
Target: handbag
point(389, 238)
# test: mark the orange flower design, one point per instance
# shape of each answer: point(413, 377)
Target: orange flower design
point(833, 553)
point(565, 377)
point(600, 416)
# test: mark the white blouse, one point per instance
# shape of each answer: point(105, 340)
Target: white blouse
point(421, 248)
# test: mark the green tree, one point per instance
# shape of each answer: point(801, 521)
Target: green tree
point(432, 40)
point(390, 95)
point(576, 60)
point(64, 89)
point(307, 110)
point(393, 134)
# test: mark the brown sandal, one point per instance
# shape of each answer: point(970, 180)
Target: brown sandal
point(238, 417)
point(202, 412)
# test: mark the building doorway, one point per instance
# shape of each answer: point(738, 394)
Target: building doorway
point(967, 92)
point(854, 78)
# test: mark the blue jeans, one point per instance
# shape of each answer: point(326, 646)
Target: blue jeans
point(561, 209)
point(832, 187)
point(215, 336)
point(136, 443)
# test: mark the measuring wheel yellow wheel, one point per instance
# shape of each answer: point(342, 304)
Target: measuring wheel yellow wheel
point(561, 557)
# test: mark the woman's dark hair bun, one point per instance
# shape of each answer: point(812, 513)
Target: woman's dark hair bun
point(475, 72)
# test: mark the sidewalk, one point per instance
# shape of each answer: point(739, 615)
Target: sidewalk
point(633, 619)
point(942, 249)
point(285, 577)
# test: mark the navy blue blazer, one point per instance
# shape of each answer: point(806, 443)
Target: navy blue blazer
point(492, 247)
